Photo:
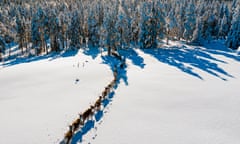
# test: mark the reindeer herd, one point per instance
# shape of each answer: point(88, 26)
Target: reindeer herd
point(89, 113)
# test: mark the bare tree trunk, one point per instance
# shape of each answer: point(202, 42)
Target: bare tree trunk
point(9, 50)
point(1, 59)
point(109, 50)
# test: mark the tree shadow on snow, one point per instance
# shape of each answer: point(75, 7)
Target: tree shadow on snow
point(112, 62)
point(93, 52)
point(186, 60)
point(129, 54)
point(218, 48)
point(132, 55)
point(50, 56)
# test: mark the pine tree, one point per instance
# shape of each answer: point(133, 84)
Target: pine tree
point(93, 26)
point(64, 24)
point(38, 31)
point(216, 13)
point(124, 25)
point(233, 39)
point(75, 31)
point(190, 22)
point(224, 22)
point(54, 31)
point(159, 16)
point(210, 27)
point(2, 48)
point(100, 7)
point(145, 26)
point(20, 32)
point(172, 28)
point(149, 25)
point(111, 38)
point(197, 34)
point(135, 23)
point(180, 17)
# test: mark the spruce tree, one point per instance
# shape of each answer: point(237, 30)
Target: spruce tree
point(190, 22)
point(233, 39)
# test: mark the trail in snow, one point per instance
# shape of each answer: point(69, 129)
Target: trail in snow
point(95, 112)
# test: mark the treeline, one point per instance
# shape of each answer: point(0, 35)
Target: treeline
point(42, 26)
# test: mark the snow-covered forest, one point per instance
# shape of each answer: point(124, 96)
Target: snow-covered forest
point(42, 26)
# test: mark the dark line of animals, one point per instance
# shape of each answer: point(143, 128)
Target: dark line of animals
point(89, 113)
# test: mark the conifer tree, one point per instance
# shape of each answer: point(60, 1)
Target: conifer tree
point(75, 31)
point(233, 39)
point(93, 25)
point(2, 48)
point(20, 32)
point(38, 31)
point(190, 22)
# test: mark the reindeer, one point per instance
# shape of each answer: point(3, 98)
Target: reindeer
point(112, 84)
point(104, 93)
point(115, 74)
point(115, 54)
point(108, 89)
point(76, 124)
point(122, 65)
point(98, 103)
point(68, 135)
point(86, 115)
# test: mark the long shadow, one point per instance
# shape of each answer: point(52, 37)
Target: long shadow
point(77, 137)
point(187, 60)
point(129, 54)
point(98, 115)
point(112, 62)
point(218, 48)
point(107, 101)
point(50, 56)
point(92, 51)
point(132, 55)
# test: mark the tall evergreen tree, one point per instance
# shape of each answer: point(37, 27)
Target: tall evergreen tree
point(149, 25)
point(172, 27)
point(93, 25)
point(20, 32)
point(224, 22)
point(75, 31)
point(197, 34)
point(233, 39)
point(38, 31)
point(2, 48)
point(54, 31)
point(190, 22)
point(110, 26)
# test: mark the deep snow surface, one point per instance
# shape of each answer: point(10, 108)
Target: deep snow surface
point(39, 99)
point(169, 96)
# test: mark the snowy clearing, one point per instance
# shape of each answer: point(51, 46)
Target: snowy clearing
point(170, 96)
point(39, 99)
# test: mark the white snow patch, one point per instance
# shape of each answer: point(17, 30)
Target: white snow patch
point(39, 99)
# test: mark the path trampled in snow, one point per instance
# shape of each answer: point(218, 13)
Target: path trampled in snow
point(91, 116)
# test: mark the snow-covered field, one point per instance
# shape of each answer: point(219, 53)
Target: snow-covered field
point(169, 96)
point(39, 99)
